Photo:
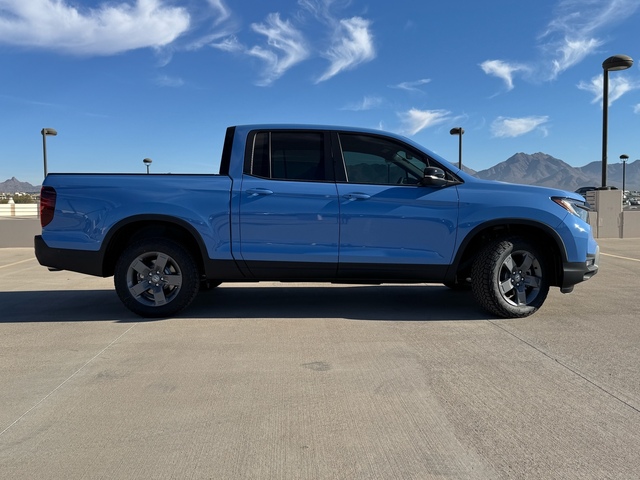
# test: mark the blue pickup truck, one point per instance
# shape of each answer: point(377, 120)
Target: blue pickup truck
point(316, 204)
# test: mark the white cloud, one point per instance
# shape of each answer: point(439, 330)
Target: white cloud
point(318, 8)
point(108, 29)
point(167, 81)
point(504, 127)
point(229, 44)
point(222, 26)
point(223, 12)
point(287, 47)
point(30, 101)
point(353, 45)
point(636, 108)
point(415, 120)
point(584, 17)
point(412, 86)
point(351, 40)
point(367, 103)
point(619, 84)
point(571, 53)
point(571, 35)
point(502, 70)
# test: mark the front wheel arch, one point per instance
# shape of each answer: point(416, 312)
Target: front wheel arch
point(546, 239)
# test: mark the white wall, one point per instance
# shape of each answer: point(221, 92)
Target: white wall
point(19, 210)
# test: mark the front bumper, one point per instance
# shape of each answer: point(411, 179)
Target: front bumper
point(576, 272)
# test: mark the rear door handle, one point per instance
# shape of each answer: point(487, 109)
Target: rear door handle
point(356, 196)
point(259, 191)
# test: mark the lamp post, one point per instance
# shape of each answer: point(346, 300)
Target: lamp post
point(147, 162)
point(458, 131)
point(624, 159)
point(46, 132)
point(615, 63)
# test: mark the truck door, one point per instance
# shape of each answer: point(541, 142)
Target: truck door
point(389, 222)
point(289, 207)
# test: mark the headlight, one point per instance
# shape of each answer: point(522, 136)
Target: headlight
point(579, 208)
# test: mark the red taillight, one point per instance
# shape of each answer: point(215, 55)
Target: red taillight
point(47, 205)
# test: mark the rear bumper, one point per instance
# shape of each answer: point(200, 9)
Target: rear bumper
point(82, 261)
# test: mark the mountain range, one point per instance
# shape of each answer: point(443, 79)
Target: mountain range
point(547, 171)
point(13, 185)
point(531, 169)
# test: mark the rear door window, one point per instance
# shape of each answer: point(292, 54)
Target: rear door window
point(288, 156)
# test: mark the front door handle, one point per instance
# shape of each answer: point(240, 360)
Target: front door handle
point(259, 191)
point(356, 196)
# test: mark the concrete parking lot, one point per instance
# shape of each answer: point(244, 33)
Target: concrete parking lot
point(286, 381)
point(18, 231)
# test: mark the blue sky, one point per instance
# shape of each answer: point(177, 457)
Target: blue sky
point(127, 79)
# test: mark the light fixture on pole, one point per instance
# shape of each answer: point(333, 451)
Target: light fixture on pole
point(147, 162)
point(624, 159)
point(46, 132)
point(615, 63)
point(458, 131)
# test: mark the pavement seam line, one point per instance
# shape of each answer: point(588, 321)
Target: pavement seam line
point(69, 378)
point(17, 263)
point(567, 367)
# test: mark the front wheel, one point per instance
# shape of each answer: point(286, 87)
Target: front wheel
point(510, 278)
point(156, 278)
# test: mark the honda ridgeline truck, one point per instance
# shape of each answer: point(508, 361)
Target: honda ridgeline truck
point(297, 203)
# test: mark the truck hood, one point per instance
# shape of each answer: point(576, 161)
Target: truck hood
point(516, 188)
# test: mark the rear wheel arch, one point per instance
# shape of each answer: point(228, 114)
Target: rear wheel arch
point(138, 228)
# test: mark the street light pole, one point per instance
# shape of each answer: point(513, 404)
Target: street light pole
point(615, 63)
point(46, 131)
point(458, 131)
point(624, 159)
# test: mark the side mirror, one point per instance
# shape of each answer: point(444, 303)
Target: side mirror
point(434, 177)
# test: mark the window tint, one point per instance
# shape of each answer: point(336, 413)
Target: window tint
point(289, 156)
point(260, 164)
point(380, 161)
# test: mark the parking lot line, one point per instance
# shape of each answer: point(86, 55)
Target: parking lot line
point(618, 256)
point(69, 378)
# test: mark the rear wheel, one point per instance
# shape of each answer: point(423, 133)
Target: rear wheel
point(510, 278)
point(156, 278)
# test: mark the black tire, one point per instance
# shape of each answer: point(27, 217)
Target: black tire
point(510, 278)
point(156, 278)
